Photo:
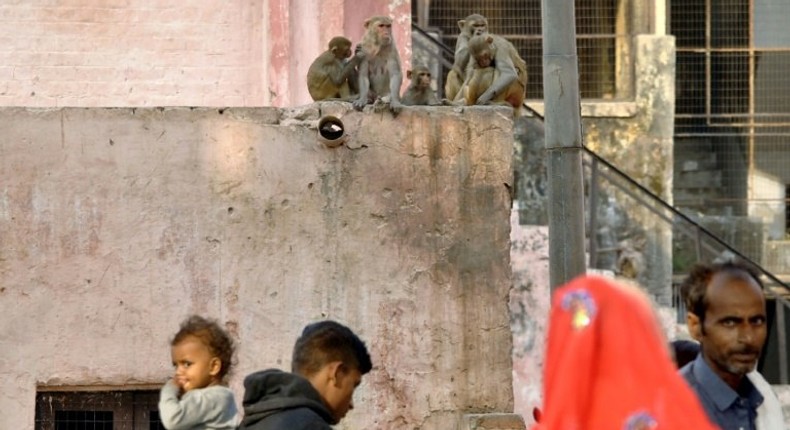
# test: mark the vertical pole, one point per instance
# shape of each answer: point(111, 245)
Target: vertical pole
point(423, 6)
point(563, 142)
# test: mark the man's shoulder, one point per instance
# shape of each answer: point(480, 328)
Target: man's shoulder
point(301, 418)
point(687, 372)
point(706, 383)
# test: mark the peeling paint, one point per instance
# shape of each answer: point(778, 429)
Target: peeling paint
point(5, 213)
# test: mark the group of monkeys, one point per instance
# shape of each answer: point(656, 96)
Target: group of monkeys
point(487, 69)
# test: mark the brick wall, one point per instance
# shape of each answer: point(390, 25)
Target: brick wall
point(96, 53)
point(131, 53)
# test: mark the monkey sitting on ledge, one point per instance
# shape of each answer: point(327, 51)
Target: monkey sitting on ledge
point(380, 74)
point(419, 91)
point(331, 76)
point(499, 75)
point(472, 25)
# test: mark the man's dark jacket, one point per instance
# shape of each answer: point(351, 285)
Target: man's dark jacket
point(276, 400)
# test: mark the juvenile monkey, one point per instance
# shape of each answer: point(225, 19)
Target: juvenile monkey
point(379, 71)
point(480, 80)
point(419, 91)
point(473, 25)
point(499, 74)
point(332, 75)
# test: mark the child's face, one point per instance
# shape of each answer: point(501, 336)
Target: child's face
point(195, 366)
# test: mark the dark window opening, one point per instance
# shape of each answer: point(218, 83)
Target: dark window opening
point(83, 420)
point(101, 410)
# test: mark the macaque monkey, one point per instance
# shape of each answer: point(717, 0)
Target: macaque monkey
point(419, 91)
point(379, 71)
point(473, 25)
point(332, 75)
point(499, 75)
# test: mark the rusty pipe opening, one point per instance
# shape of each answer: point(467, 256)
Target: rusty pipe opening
point(331, 131)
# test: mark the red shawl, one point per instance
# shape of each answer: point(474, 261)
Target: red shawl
point(608, 365)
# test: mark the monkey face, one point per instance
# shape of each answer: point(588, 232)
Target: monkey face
point(424, 79)
point(482, 49)
point(384, 31)
point(479, 28)
point(473, 25)
point(483, 59)
point(342, 51)
point(340, 47)
point(420, 77)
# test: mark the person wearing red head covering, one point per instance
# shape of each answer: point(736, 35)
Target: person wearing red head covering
point(608, 365)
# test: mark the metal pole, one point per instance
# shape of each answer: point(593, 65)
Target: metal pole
point(563, 142)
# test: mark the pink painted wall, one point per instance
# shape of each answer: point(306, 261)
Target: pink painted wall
point(174, 52)
point(300, 31)
point(141, 53)
point(399, 10)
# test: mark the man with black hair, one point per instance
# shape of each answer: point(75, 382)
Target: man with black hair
point(327, 366)
point(726, 314)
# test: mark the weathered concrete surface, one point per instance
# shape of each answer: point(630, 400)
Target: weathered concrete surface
point(117, 223)
point(493, 422)
point(530, 300)
point(530, 303)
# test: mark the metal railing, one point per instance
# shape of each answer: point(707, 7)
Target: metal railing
point(606, 180)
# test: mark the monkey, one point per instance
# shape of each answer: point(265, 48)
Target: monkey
point(480, 80)
point(499, 74)
point(419, 91)
point(379, 71)
point(332, 75)
point(473, 25)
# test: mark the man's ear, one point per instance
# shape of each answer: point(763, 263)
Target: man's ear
point(215, 365)
point(335, 370)
point(694, 325)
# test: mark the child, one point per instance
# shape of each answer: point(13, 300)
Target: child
point(195, 397)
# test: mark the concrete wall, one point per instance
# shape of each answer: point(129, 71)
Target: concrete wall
point(530, 300)
point(175, 53)
point(117, 223)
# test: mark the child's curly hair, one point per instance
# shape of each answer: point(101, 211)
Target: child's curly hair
point(212, 335)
